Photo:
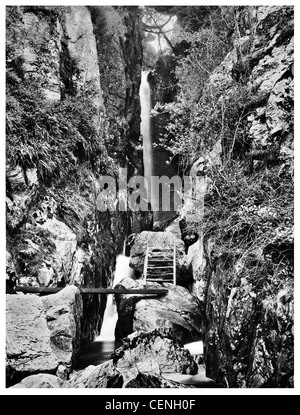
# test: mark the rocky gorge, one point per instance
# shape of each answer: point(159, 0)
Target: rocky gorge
point(74, 115)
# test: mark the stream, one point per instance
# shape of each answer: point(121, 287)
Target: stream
point(100, 350)
point(104, 345)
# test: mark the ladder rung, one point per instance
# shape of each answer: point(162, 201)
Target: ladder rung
point(162, 274)
point(160, 267)
point(160, 250)
point(164, 257)
point(161, 261)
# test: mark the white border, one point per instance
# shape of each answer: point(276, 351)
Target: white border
point(110, 393)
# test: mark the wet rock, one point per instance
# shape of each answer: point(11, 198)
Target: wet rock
point(45, 275)
point(156, 349)
point(64, 314)
point(255, 336)
point(146, 380)
point(28, 345)
point(196, 259)
point(62, 372)
point(178, 311)
point(144, 360)
point(42, 381)
point(102, 376)
point(198, 381)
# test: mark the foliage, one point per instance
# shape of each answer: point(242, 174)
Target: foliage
point(32, 247)
point(206, 111)
point(194, 129)
point(54, 137)
point(251, 218)
point(157, 25)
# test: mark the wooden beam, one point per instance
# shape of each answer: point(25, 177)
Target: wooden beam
point(53, 290)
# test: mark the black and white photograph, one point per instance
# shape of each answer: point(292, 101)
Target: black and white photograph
point(149, 188)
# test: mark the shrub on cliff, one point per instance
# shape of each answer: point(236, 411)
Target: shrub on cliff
point(54, 137)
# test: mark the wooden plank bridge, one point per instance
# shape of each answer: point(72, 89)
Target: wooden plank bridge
point(53, 290)
point(159, 266)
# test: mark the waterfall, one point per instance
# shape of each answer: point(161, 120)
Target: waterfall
point(145, 98)
point(110, 317)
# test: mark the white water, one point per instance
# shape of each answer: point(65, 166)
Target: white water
point(195, 348)
point(145, 98)
point(110, 317)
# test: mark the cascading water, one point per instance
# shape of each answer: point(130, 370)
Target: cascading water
point(155, 157)
point(111, 316)
point(145, 97)
point(104, 345)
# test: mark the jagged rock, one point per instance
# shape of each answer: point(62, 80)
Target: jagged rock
point(32, 53)
point(16, 179)
point(42, 381)
point(160, 226)
point(146, 380)
point(65, 242)
point(178, 311)
point(102, 376)
point(174, 228)
point(160, 240)
point(82, 47)
point(21, 188)
point(45, 275)
point(62, 372)
point(28, 345)
point(10, 274)
point(156, 350)
point(64, 314)
point(198, 381)
point(75, 53)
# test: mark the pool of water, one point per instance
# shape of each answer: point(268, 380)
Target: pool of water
point(96, 353)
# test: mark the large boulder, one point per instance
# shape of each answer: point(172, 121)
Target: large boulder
point(64, 314)
point(141, 362)
point(42, 381)
point(178, 311)
point(147, 380)
point(156, 351)
point(161, 241)
point(101, 376)
point(28, 345)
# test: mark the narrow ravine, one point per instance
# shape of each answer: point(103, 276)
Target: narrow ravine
point(101, 349)
point(197, 102)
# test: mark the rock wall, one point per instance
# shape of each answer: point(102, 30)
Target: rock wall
point(243, 261)
point(43, 334)
point(177, 311)
point(118, 38)
point(85, 74)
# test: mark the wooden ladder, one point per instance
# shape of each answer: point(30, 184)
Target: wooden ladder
point(160, 265)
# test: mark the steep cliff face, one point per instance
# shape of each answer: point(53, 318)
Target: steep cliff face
point(72, 115)
point(231, 125)
point(243, 260)
point(118, 38)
